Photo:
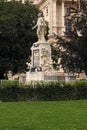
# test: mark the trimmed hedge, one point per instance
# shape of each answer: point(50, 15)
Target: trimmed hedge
point(6, 83)
point(44, 91)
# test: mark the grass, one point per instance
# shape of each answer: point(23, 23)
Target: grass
point(62, 115)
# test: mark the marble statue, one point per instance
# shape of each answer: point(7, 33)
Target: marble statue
point(41, 27)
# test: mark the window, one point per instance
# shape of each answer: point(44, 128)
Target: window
point(67, 21)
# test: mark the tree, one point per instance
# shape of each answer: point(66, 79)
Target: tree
point(16, 35)
point(74, 52)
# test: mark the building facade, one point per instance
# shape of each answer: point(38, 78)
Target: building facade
point(54, 12)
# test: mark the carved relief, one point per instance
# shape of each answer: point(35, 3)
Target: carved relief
point(46, 60)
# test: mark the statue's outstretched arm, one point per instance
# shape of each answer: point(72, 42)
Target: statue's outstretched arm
point(34, 27)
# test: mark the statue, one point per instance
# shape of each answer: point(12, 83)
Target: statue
point(41, 27)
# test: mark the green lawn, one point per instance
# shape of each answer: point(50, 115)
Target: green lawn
point(62, 115)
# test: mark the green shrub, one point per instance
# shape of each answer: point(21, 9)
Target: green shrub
point(44, 91)
point(9, 93)
point(6, 83)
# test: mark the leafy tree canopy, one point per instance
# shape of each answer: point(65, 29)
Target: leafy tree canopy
point(16, 35)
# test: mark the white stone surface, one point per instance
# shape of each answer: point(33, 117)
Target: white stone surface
point(41, 56)
point(41, 27)
point(34, 76)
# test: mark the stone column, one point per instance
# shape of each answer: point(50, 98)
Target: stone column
point(51, 15)
point(63, 26)
point(55, 26)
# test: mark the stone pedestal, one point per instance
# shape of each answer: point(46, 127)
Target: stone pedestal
point(41, 56)
point(34, 76)
point(40, 76)
point(41, 67)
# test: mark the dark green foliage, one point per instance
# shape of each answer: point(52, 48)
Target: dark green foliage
point(9, 94)
point(55, 56)
point(49, 91)
point(16, 35)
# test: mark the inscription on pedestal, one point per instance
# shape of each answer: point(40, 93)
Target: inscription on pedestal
point(36, 57)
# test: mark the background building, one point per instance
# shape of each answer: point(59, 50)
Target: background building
point(54, 12)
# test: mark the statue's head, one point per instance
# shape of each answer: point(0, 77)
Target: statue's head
point(40, 15)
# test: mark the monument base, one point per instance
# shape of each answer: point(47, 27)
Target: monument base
point(40, 76)
point(41, 67)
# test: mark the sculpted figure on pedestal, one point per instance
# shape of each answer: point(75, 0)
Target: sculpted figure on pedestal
point(41, 27)
point(46, 61)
